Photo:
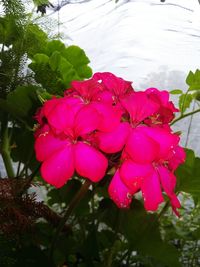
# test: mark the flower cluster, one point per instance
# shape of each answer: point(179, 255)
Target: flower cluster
point(102, 123)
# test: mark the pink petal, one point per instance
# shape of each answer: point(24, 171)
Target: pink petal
point(177, 157)
point(168, 182)
point(151, 192)
point(49, 105)
point(113, 83)
point(61, 117)
point(175, 204)
point(132, 174)
point(166, 140)
point(105, 97)
point(161, 97)
point(118, 192)
point(110, 116)
point(141, 148)
point(46, 144)
point(87, 120)
point(87, 89)
point(139, 106)
point(59, 168)
point(61, 112)
point(167, 108)
point(114, 141)
point(89, 162)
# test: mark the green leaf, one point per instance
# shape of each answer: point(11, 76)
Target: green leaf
point(22, 100)
point(40, 2)
point(188, 175)
point(54, 60)
point(53, 46)
point(58, 66)
point(10, 32)
point(190, 78)
point(193, 80)
point(184, 102)
point(34, 40)
point(23, 147)
point(67, 71)
point(142, 231)
point(176, 92)
point(41, 59)
point(22, 104)
point(84, 71)
point(76, 56)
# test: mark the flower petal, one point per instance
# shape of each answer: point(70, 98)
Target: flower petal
point(87, 89)
point(61, 113)
point(87, 120)
point(89, 162)
point(166, 140)
point(141, 148)
point(132, 174)
point(178, 157)
point(168, 182)
point(118, 192)
point(112, 142)
point(139, 106)
point(61, 117)
point(59, 168)
point(49, 105)
point(151, 192)
point(46, 144)
point(113, 83)
point(110, 116)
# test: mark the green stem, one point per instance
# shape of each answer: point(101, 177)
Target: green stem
point(185, 115)
point(183, 104)
point(164, 209)
point(5, 149)
point(28, 181)
point(74, 202)
point(112, 251)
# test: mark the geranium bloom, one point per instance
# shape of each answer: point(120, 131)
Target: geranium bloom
point(113, 84)
point(67, 151)
point(101, 119)
point(165, 113)
point(149, 169)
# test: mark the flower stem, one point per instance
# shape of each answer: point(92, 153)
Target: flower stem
point(28, 181)
point(185, 115)
point(5, 148)
point(164, 209)
point(74, 202)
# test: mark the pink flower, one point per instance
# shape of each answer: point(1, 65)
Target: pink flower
point(91, 93)
point(66, 152)
point(117, 86)
point(119, 192)
point(148, 169)
point(101, 123)
point(139, 107)
point(165, 113)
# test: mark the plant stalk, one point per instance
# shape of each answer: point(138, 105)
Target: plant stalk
point(5, 149)
point(74, 202)
point(185, 115)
